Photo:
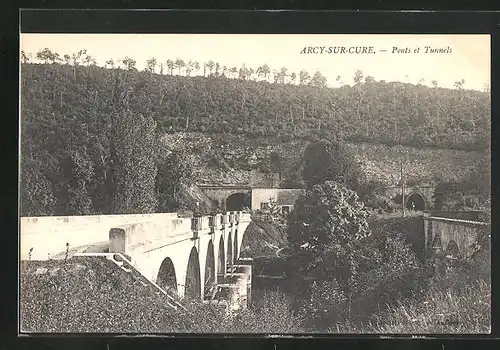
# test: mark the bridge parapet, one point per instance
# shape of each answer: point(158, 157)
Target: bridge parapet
point(48, 235)
point(131, 238)
point(215, 221)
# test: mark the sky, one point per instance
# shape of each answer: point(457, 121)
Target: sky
point(469, 58)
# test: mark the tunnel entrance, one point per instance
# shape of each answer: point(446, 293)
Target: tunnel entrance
point(415, 202)
point(166, 279)
point(221, 261)
point(238, 201)
point(193, 286)
point(210, 272)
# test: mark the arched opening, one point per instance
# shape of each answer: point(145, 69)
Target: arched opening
point(237, 202)
point(436, 243)
point(221, 259)
point(229, 261)
point(235, 250)
point(415, 202)
point(452, 250)
point(193, 286)
point(209, 272)
point(166, 279)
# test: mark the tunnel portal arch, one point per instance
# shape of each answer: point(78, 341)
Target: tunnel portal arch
point(238, 201)
point(210, 278)
point(415, 201)
point(167, 279)
point(193, 284)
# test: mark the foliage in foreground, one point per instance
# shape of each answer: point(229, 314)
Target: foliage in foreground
point(465, 310)
point(83, 296)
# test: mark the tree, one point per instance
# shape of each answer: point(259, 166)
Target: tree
point(318, 80)
point(324, 161)
point(196, 66)
point(233, 71)
point(89, 61)
point(171, 66)
point(37, 193)
point(24, 57)
point(151, 65)
point(434, 83)
point(210, 66)
point(79, 57)
point(293, 76)
point(174, 171)
point(129, 63)
point(133, 166)
point(304, 77)
point(179, 63)
point(80, 172)
point(189, 68)
point(329, 217)
point(459, 84)
point(46, 56)
point(264, 71)
point(277, 163)
point(358, 77)
point(369, 79)
point(283, 73)
point(339, 81)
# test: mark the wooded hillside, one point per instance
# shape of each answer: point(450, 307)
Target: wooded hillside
point(76, 124)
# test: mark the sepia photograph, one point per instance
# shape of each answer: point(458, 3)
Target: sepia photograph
point(255, 183)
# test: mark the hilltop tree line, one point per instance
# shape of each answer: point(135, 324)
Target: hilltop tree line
point(186, 68)
point(368, 111)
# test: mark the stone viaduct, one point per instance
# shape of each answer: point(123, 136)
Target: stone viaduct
point(194, 257)
point(455, 237)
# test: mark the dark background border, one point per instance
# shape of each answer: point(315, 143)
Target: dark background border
point(184, 21)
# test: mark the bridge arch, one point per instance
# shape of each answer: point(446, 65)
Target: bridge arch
point(167, 278)
point(415, 201)
point(453, 249)
point(229, 261)
point(193, 281)
point(210, 277)
point(436, 243)
point(221, 259)
point(238, 201)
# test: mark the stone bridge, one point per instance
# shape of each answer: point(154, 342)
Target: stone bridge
point(455, 237)
point(192, 257)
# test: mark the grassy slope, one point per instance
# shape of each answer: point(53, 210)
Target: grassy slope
point(466, 310)
point(91, 295)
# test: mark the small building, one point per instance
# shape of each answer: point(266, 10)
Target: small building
point(285, 198)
